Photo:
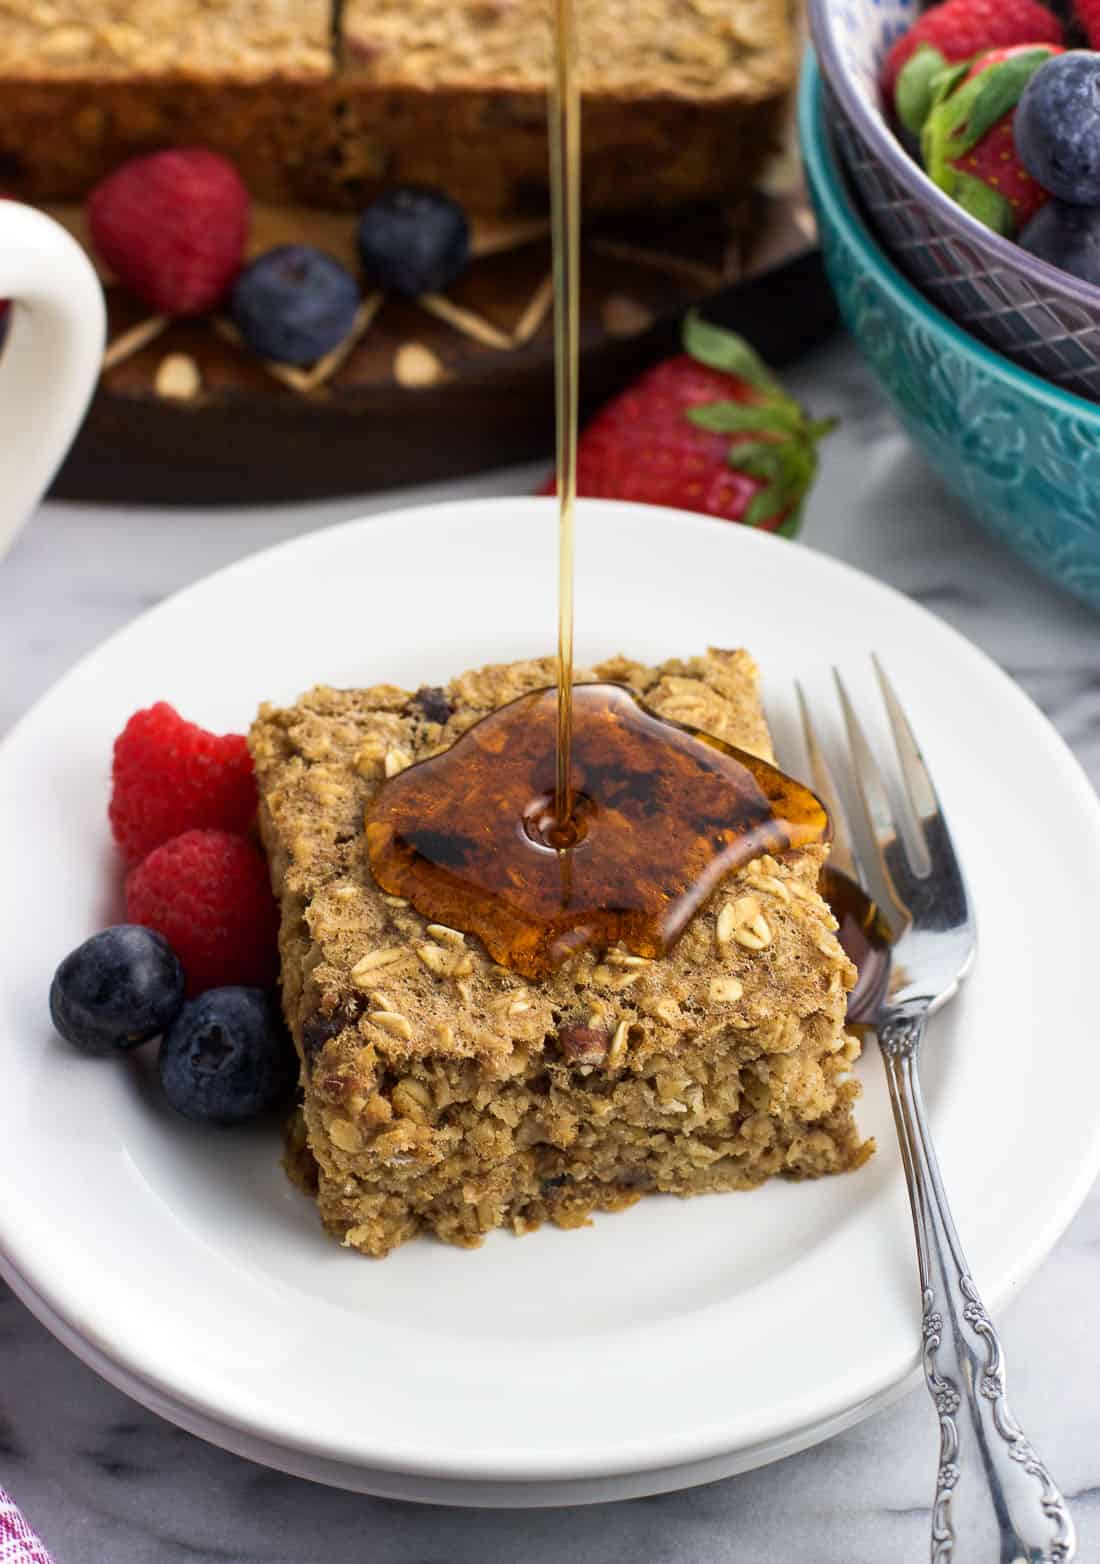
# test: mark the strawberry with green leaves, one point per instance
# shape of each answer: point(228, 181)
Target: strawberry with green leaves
point(710, 430)
point(949, 33)
point(967, 142)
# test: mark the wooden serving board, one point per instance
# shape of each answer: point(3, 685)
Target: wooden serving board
point(432, 388)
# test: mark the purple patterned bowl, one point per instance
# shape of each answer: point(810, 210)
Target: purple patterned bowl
point(1036, 315)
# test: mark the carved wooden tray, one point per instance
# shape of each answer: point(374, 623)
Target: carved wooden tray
point(440, 386)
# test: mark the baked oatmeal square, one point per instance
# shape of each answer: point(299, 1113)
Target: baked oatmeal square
point(446, 1094)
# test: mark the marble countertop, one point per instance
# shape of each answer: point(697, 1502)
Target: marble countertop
point(106, 1482)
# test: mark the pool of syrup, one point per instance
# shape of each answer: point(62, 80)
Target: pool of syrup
point(661, 815)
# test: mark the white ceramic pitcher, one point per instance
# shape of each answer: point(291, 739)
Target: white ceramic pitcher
point(50, 360)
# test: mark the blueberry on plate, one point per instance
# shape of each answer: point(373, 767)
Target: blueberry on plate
point(294, 304)
point(414, 241)
point(227, 1058)
point(1067, 236)
point(1057, 127)
point(120, 988)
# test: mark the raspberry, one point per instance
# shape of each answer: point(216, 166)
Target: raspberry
point(173, 228)
point(208, 893)
point(172, 776)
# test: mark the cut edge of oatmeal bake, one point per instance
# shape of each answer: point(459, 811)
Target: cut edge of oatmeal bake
point(445, 1094)
point(332, 103)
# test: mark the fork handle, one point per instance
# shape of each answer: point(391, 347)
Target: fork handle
point(995, 1502)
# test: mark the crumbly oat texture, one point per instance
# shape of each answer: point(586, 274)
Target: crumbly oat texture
point(698, 49)
point(681, 101)
point(443, 1094)
point(329, 101)
point(238, 40)
point(84, 84)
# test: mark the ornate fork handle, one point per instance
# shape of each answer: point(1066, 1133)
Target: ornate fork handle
point(995, 1502)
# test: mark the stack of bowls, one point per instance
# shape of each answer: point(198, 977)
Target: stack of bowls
point(928, 292)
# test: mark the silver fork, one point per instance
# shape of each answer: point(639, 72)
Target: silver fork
point(995, 1501)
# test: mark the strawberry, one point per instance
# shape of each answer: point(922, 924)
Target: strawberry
point(1088, 14)
point(710, 430)
point(951, 32)
point(172, 227)
point(967, 142)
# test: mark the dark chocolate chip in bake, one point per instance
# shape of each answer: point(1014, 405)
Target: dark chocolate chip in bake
point(317, 1030)
point(430, 702)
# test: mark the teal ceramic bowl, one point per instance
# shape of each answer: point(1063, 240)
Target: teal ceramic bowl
point(1023, 455)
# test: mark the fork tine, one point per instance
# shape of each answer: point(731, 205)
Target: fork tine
point(821, 779)
point(872, 789)
point(918, 782)
point(935, 839)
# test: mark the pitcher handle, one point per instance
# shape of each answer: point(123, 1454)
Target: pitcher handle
point(51, 358)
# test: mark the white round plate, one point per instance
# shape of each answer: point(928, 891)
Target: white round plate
point(667, 1344)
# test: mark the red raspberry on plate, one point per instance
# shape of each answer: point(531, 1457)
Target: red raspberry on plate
point(172, 227)
point(208, 893)
point(171, 776)
point(958, 29)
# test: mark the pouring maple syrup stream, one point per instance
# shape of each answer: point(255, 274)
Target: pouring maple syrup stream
point(614, 824)
point(565, 181)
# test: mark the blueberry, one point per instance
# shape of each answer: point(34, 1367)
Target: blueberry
point(414, 241)
point(1057, 127)
point(294, 304)
point(1067, 236)
point(120, 988)
point(227, 1058)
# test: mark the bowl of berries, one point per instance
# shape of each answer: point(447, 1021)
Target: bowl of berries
point(1021, 453)
point(970, 131)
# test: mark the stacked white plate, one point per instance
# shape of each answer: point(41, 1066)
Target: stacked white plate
point(678, 1341)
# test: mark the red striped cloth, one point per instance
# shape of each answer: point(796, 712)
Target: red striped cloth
point(18, 1543)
